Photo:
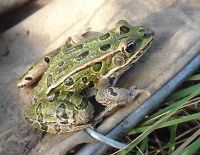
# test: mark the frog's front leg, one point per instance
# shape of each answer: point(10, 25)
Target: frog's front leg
point(112, 97)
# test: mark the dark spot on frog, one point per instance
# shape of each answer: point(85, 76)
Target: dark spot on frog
point(82, 56)
point(39, 113)
point(105, 47)
point(44, 126)
point(111, 91)
point(61, 113)
point(124, 29)
point(47, 59)
point(35, 100)
point(139, 54)
point(97, 66)
point(28, 78)
point(91, 84)
point(68, 81)
point(104, 36)
point(57, 128)
point(84, 79)
point(75, 48)
point(60, 64)
point(131, 94)
point(27, 119)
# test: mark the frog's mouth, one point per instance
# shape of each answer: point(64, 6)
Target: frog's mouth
point(147, 45)
point(143, 50)
point(151, 36)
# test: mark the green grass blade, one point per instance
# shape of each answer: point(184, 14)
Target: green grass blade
point(192, 148)
point(153, 152)
point(194, 78)
point(143, 146)
point(183, 92)
point(177, 121)
point(172, 138)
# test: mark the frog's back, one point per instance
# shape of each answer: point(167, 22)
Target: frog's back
point(74, 68)
point(87, 52)
point(81, 59)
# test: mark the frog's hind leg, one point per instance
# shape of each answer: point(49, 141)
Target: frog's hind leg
point(69, 111)
point(112, 97)
point(37, 69)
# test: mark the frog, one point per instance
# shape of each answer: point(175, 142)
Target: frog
point(61, 78)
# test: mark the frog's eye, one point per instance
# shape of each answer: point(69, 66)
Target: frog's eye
point(130, 46)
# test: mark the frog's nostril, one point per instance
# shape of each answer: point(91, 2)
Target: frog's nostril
point(148, 34)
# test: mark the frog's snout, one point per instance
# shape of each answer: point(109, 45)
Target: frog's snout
point(149, 33)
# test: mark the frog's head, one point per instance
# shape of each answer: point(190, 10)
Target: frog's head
point(135, 40)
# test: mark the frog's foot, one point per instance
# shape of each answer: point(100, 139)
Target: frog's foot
point(112, 97)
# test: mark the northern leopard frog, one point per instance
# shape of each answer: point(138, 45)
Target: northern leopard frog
point(61, 76)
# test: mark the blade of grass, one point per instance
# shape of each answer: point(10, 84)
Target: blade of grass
point(192, 148)
point(143, 146)
point(172, 138)
point(177, 121)
point(153, 152)
point(183, 92)
point(194, 78)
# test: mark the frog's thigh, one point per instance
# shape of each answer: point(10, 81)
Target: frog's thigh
point(37, 69)
point(111, 97)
